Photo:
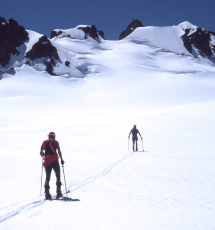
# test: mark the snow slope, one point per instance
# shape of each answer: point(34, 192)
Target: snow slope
point(171, 99)
point(166, 37)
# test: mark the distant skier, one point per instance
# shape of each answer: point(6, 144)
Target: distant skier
point(51, 162)
point(134, 132)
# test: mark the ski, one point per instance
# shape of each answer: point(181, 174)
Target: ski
point(141, 151)
point(54, 197)
point(63, 198)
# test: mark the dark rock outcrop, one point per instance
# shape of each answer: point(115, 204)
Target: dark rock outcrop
point(67, 63)
point(102, 34)
point(200, 39)
point(92, 32)
point(12, 35)
point(55, 33)
point(43, 48)
point(131, 27)
point(186, 41)
point(49, 66)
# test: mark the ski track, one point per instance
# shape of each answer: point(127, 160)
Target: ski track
point(22, 208)
point(103, 173)
point(85, 182)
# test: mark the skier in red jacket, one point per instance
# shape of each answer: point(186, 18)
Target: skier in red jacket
point(50, 156)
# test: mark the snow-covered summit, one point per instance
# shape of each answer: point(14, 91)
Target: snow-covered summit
point(80, 32)
point(167, 38)
point(187, 25)
point(73, 33)
point(185, 38)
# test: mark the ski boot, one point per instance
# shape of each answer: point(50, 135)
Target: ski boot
point(47, 194)
point(59, 193)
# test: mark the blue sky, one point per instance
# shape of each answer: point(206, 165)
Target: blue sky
point(111, 16)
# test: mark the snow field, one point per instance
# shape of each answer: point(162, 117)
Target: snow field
point(169, 187)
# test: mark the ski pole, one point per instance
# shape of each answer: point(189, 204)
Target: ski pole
point(41, 178)
point(142, 143)
point(64, 180)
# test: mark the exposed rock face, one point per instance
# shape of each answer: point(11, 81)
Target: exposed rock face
point(49, 66)
point(43, 55)
point(12, 35)
point(102, 34)
point(200, 39)
point(43, 48)
point(92, 32)
point(131, 27)
point(55, 33)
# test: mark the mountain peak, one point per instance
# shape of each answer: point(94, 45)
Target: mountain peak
point(187, 25)
point(131, 27)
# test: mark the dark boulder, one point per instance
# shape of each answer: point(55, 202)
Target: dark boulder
point(131, 27)
point(12, 35)
point(67, 63)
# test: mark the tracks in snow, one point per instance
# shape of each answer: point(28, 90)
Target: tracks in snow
point(26, 207)
point(104, 172)
point(89, 180)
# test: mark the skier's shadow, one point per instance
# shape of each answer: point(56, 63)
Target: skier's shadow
point(68, 199)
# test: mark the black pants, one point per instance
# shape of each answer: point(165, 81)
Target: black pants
point(55, 165)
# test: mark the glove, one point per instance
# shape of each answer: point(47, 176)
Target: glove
point(62, 162)
point(42, 155)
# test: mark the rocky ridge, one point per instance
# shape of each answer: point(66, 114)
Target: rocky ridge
point(17, 47)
